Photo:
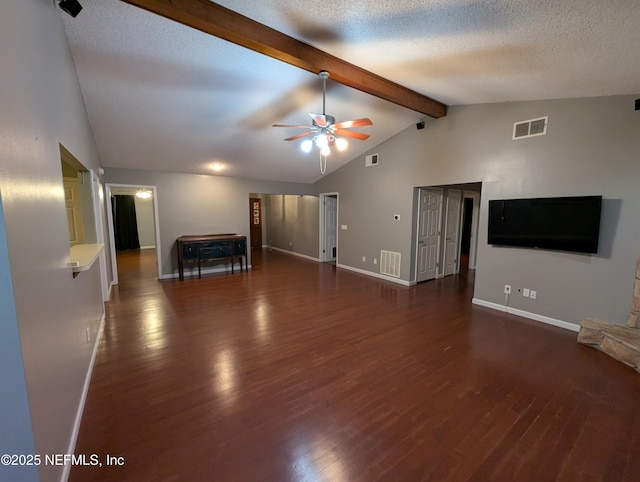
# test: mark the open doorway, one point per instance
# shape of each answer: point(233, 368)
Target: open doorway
point(132, 214)
point(469, 236)
point(329, 227)
point(446, 226)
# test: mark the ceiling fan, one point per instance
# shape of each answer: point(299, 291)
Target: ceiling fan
point(326, 133)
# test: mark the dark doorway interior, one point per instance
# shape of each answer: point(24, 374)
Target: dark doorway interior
point(465, 243)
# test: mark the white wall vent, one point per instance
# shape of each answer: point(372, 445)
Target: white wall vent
point(530, 128)
point(371, 160)
point(390, 263)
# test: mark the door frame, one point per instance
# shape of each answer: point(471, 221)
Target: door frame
point(475, 217)
point(156, 222)
point(323, 255)
point(477, 199)
point(97, 194)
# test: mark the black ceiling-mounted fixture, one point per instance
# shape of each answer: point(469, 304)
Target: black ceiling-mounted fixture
point(72, 7)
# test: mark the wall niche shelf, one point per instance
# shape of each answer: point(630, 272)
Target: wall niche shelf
point(83, 256)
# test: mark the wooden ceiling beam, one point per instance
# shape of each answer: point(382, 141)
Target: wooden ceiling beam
point(226, 24)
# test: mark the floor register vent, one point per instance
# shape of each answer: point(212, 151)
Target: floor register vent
point(530, 128)
point(390, 263)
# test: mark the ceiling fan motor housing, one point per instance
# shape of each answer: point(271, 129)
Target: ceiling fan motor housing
point(330, 120)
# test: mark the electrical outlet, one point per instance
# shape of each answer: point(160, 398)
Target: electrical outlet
point(525, 292)
point(375, 260)
point(533, 294)
point(507, 289)
point(364, 259)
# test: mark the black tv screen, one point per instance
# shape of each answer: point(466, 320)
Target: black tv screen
point(556, 223)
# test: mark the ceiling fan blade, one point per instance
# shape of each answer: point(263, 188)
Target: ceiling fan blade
point(319, 119)
point(355, 135)
point(353, 123)
point(290, 126)
point(304, 134)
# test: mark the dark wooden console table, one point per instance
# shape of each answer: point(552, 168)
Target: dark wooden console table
point(208, 247)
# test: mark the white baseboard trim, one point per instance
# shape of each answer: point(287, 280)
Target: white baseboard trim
point(526, 314)
point(300, 255)
point(147, 247)
point(85, 390)
point(374, 275)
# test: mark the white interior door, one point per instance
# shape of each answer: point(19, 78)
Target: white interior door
point(452, 232)
point(429, 234)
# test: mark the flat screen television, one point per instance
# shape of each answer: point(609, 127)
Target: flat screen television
point(555, 223)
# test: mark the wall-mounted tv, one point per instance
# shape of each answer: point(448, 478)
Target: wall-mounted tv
point(555, 223)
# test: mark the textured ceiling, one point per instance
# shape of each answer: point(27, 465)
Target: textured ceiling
point(166, 97)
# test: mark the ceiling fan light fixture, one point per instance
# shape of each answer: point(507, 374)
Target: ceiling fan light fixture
point(324, 130)
point(322, 141)
point(341, 144)
point(306, 145)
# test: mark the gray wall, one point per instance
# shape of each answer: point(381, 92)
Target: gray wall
point(592, 148)
point(199, 204)
point(292, 223)
point(41, 106)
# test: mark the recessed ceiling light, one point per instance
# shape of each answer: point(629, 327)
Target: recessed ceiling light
point(216, 166)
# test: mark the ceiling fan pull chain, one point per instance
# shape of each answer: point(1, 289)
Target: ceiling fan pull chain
point(323, 164)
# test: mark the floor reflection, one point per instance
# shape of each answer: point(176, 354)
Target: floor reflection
point(225, 378)
point(318, 461)
point(262, 319)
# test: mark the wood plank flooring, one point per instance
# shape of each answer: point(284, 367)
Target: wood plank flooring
point(298, 371)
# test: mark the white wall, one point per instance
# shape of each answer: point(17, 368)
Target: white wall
point(40, 107)
point(592, 148)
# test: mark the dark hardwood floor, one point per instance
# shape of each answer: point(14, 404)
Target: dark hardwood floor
point(299, 371)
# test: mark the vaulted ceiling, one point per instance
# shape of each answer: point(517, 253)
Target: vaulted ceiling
point(165, 96)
